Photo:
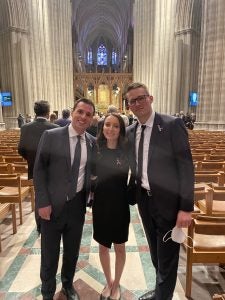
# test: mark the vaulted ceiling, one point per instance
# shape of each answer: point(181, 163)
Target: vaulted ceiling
point(101, 20)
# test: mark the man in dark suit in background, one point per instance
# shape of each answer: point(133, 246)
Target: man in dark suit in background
point(20, 120)
point(164, 183)
point(65, 118)
point(62, 184)
point(31, 134)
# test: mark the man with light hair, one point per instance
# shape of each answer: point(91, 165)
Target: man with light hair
point(112, 109)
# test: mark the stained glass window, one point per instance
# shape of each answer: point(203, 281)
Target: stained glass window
point(102, 56)
point(89, 57)
point(114, 57)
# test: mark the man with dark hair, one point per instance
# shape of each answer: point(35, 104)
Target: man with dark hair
point(31, 134)
point(162, 166)
point(65, 118)
point(20, 120)
point(62, 185)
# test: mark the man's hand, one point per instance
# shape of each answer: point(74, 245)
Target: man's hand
point(183, 218)
point(45, 212)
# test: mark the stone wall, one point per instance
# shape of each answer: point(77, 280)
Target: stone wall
point(36, 55)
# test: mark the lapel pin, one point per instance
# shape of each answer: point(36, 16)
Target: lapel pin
point(159, 128)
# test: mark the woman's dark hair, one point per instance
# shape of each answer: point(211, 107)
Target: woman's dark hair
point(122, 140)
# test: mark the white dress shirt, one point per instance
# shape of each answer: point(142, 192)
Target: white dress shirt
point(147, 136)
point(73, 141)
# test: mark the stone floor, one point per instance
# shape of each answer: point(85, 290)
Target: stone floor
point(20, 261)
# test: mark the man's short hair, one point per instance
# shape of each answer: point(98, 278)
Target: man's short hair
point(41, 108)
point(84, 100)
point(135, 85)
point(65, 113)
point(112, 109)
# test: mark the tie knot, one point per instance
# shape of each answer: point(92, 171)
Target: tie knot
point(78, 137)
point(143, 127)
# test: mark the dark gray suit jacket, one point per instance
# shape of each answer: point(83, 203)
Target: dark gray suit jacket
point(29, 139)
point(52, 170)
point(170, 166)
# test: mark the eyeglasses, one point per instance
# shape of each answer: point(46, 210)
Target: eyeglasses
point(139, 100)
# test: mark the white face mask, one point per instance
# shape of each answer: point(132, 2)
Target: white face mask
point(177, 235)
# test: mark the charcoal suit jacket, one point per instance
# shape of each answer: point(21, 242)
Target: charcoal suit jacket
point(170, 167)
point(29, 139)
point(52, 170)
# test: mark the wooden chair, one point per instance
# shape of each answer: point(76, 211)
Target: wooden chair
point(197, 165)
point(20, 163)
point(218, 297)
point(5, 150)
point(12, 158)
point(13, 192)
point(8, 175)
point(199, 194)
point(4, 211)
point(213, 166)
point(4, 168)
point(216, 156)
point(203, 150)
point(22, 170)
point(208, 234)
point(216, 178)
point(218, 202)
point(199, 157)
point(218, 151)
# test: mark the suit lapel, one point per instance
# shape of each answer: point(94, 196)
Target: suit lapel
point(89, 145)
point(131, 134)
point(66, 145)
point(132, 138)
point(156, 130)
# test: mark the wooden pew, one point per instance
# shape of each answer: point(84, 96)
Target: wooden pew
point(5, 209)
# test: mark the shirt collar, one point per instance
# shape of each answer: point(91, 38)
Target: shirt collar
point(72, 132)
point(41, 118)
point(150, 120)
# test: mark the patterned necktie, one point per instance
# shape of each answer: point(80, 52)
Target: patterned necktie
point(140, 161)
point(75, 169)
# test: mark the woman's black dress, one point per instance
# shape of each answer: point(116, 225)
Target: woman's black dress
point(111, 214)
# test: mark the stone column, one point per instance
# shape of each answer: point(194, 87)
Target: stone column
point(211, 110)
point(36, 55)
point(164, 55)
point(154, 47)
point(187, 38)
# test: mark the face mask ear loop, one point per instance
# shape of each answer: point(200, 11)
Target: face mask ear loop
point(166, 236)
point(188, 237)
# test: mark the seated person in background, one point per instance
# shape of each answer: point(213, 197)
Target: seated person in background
point(65, 120)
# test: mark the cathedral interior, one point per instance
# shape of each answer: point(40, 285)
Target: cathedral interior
point(62, 50)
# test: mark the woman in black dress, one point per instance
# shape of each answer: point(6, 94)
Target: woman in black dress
point(111, 214)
